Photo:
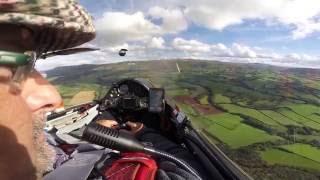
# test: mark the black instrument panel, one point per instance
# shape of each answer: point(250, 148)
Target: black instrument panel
point(133, 87)
point(128, 95)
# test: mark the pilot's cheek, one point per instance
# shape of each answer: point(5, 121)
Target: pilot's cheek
point(39, 94)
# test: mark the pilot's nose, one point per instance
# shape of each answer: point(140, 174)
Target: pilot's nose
point(40, 94)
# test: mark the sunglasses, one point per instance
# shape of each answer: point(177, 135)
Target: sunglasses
point(21, 63)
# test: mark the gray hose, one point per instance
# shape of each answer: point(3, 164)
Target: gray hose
point(168, 156)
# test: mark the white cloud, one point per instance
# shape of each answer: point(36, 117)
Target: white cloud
point(196, 47)
point(305, 29)
point(293, 56)
point(302, 57)
point(220, 50)
point(302, 15)
point(116, 48)
point(118, 27)
point(243, 51)
point(216, 14)
point(157, 43)
point(142, 31)
point(173, 20)
point(270, 55)
point(182, 48)
point(190, 45)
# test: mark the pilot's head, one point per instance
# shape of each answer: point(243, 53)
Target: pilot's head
point(29, 28)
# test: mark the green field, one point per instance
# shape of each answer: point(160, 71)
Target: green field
point(249, 112)
point(204, 100)
point(220, 99)
point(304, 150)
point(229, 129)
point(304, 121)
point(177, 92)
point(265, 108)
point(293, 116)
point(315, 117)
point(68, 91)
point(307, 137)
point(275, 156)
point(242, 135)
point(312, 124)
point(188, 109)
point(280, 118)
point(307, 111)
point(225, 120)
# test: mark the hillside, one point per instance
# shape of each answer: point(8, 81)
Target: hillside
point(266, 118)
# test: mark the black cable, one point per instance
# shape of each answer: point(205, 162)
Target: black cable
point(121, 141)
point(168, 156)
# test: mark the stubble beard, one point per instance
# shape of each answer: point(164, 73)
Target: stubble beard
point(45, 155)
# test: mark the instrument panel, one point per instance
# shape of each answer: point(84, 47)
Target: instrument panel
point(128, 94)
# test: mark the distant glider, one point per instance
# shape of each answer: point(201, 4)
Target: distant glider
point(123, 52)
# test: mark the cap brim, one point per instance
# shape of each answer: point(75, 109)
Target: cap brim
point(56, 34)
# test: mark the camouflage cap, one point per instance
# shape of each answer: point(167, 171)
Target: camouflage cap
point(58, 24)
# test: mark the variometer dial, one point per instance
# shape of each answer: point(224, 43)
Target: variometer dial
point(123, 89)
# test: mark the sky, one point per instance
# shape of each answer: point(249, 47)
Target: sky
point(276, 32)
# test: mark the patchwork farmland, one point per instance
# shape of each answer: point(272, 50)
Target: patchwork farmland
point(265, 118)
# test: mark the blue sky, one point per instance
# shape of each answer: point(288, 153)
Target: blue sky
point(278, 32)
